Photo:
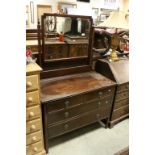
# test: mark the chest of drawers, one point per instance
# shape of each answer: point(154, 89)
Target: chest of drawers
point(34, 134)
point(117, 71)
point(74, 101)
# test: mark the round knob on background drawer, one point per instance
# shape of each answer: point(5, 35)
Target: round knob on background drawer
point(66, 103)
point(31, 114)
point(66, 114)
point(66, 126)
point(29, 84)
point(35, 149)
point(30, 99)
point(34, 138)
point(33, 127)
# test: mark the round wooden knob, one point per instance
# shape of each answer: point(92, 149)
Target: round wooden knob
point(66, 104)
point(30, 99)
point(29, 84)
point(99, 103)
point(100, 94)
point(34, 138)
point(106, 102)
point(66, 126)
point(33, 127)
point(35, 149)
point(66, 114)
point(109, 90)
point(31, 114)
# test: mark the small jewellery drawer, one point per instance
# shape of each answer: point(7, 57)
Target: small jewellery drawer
point(32, 98)
point(34, 148)
point(64, 103)
point(123, 87)
point(120, 112)
point(99, 94)
point(32, 112)
point(121, 103)
point(122, 95)
point(31, 82)
point(77, 122)
point(33, 137)
point(33, 126)
point(54, 117)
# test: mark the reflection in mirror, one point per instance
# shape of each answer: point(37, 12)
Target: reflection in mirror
point(65, 37)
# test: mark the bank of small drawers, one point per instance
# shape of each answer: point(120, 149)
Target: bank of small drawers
point(34, 138)
point(70, 113)
point(121, 103)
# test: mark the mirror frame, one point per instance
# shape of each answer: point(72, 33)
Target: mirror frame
point(77, 64)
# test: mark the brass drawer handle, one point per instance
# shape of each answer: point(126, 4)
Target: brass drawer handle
point(33, 127)
point(29, 84)
point(34, 138)
point(31, 114)
point(35, 149)
point(66, 114)
point(66, 104)
point(66, 126)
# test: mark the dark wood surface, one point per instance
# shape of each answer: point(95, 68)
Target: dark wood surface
point(119, 72)
point(73, 101)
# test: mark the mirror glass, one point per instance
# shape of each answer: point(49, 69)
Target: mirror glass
point(65, 37)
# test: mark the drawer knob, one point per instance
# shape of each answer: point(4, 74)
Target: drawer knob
point(33, 127)
point(66, 114)
point(106, 102)
point(34, 138)
point(66, 126)
point(29, 84)
point(100, 94)
point(97, 115)
point(99, 103)
point(66, 104)
point(31, 114)
point(35, 149)
point(109, 90)
point(30, 99)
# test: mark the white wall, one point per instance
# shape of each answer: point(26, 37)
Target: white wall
point(84, 8)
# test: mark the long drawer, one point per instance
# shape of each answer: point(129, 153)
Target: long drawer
point(33, 137)
point(33, 126)
point(120, 112)
point(33, 113)
point(99, 94)
point(32, 98)
point(54, 117)
point(64, 103)
point(77, 122)
point(34, 148)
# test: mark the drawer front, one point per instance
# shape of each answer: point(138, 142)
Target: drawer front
point(33, 137)
point(121, 103)
point(31, 82)
point(99, 94)
point(123, 87)
point(32, 113)
point(120, 112)
point(121, 96)
point(54, 117)
point(64, 103)
point(77, 122)
point(34, 148)
point(32, 98)
point(33, 126)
